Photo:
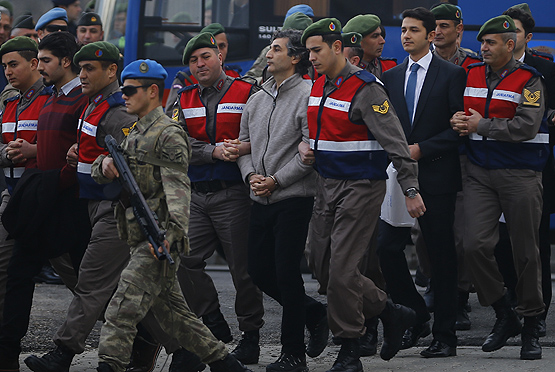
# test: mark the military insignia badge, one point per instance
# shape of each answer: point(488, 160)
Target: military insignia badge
point(332, 26)
point(175, 114)
point(143, 67)
point(338, 81)
point(212, 41)
point(220, 84)
point(93, 19)
point(381, 109)
point(354, 39)
point(506, 25)
point(30, 94)
point(98, 53)
point(98, 99)
point(531, 98)
point(458, 14)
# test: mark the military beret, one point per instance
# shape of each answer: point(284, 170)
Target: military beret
point(214, 29)
point(144, 69)
point(97, 51)
point(498, 25)
point(63, 2)
point(524, 7)
point(90, 19)
point(351, 39)
point(19, 44)
point(303, 8)
point(6, 4)
point(297, 21)
point(24, 21)
point(326, 26)
point(363, 24)
point(447, 11)
point(202, 40)
point(52, 15)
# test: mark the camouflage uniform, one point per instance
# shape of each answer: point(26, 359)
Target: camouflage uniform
point(147, 284)
point(259, 65)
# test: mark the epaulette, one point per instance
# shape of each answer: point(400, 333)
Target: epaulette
point(188, 87)
point(47, 91)
point(526, 67)
point(184, 76)
point(365, 76)
point(537, 53)
point(389, 59)
point(477, 64)
point(234, 68)
point(16, 97)
point(472, 54)
point(115, 99)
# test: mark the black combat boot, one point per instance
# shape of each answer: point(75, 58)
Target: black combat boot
point(369, 342)
point(57, 360)
point(248, 350)
point(531, 348)
point(348, 359)
point(215, 321)
point(143, 355)
point(463, 321)
point(184, 360)
point(288, 363)
point(228, 364)
point(104, 367)
point(319, 332)
point(395, 319)
point(507, 325)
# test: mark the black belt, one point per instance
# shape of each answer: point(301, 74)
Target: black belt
point(212, 186)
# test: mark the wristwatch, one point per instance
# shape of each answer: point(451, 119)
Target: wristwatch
point(411, 192)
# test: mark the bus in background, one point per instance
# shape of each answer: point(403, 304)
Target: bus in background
point(160, 29)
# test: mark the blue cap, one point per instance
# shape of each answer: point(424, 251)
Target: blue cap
point(52, 15)
point(144, 69)
point(303, 8)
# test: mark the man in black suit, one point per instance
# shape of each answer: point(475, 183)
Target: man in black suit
point(525, 24)
point(425, 92)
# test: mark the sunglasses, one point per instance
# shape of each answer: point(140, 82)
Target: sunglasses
point(54, 28)
point(130, 90)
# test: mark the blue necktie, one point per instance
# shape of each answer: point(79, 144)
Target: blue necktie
point(411, 90)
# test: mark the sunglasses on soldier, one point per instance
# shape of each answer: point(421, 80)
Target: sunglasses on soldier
point(130, 90)
point(54, 28)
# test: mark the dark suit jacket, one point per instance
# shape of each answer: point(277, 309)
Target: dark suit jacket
point(439, 169)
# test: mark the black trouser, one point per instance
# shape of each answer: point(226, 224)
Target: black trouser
point(277, 238)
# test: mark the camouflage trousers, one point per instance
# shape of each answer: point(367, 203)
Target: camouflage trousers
point(147, 284)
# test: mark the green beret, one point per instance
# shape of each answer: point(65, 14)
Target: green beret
point(497, 25)
point(6, 4)
point(363, 24)
point(447, 11)
point(214, 29)
point(97, 51)
point(326, 26)
point(524, 7)
point(89, 19)
point(297, 21)
point(351, 39)
point(19, 44)
point(202, 40)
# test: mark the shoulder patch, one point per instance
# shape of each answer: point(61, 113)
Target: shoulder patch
point(175, 114)
point(127, 130)
point(173, 154)
point(365, 76)
point(381, 109)
point(531, 98)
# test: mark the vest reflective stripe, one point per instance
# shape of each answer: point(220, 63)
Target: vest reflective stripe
point(89, 128)
point(227, 125)
point(343, 149)
point(84, 168)
point(17, 172)
point(347, 146)
point(502, 103)
point(21, 126)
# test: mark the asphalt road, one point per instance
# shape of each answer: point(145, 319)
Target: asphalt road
point(51, 302)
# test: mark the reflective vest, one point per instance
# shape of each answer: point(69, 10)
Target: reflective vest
point(227, 122)
point(89, 149)
point(186, 77)
point(343, 149)
point(502, 103)
point(469, 60)
point(387, 63)
point(22, 126)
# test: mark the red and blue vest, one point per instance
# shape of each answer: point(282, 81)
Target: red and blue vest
point(22, 126)
point(227, 123)
point(387, 63)
point(502, 102)
point(343, 149)
point(89, 149)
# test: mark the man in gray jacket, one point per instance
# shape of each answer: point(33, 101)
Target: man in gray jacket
point(282, 188)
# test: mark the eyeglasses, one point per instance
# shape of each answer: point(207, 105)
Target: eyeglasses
point(54, 28)
point(130, 90)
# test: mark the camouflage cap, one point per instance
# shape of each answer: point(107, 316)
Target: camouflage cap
point(447, 11)
point(97, 51)
point(202, 40)
point(144, 69)
point(363, 24)
point(214, 29)
point(19, 44)
point(326, 26)
point(497, 25)
point(351, 39)
point(297, 21)
point(90, 19)
point(524, 7)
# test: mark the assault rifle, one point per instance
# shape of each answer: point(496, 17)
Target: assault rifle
point(146, 218)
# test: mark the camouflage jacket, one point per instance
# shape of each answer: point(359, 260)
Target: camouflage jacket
point(167, 190)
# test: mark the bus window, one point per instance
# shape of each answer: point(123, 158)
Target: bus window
point(230, 13)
